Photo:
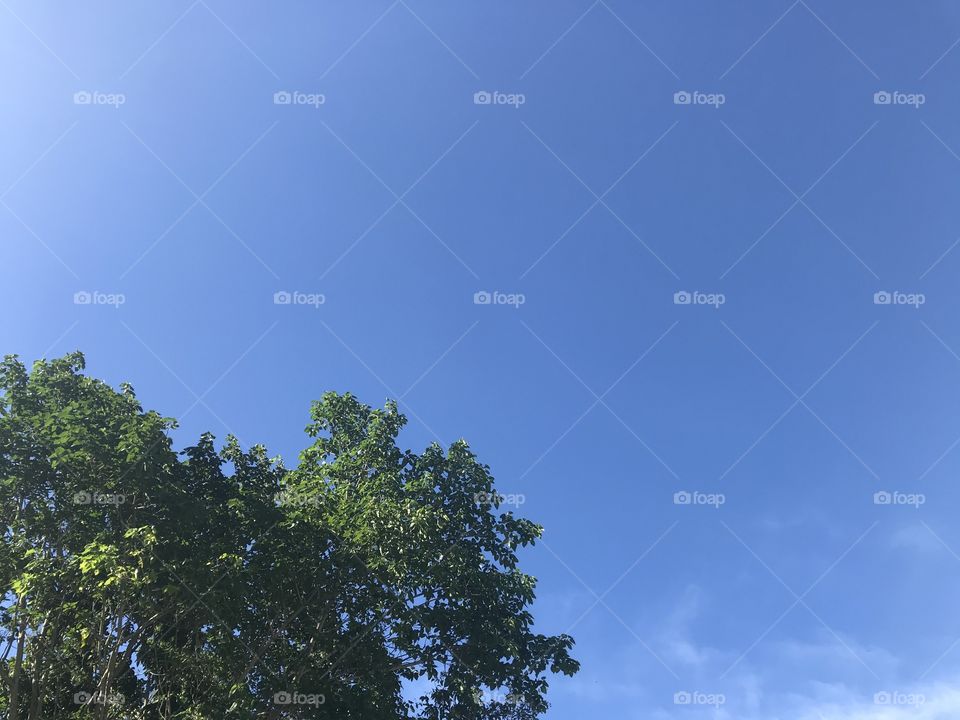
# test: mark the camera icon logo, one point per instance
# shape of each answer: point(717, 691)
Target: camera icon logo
point(282, 698)
point(282, 297)
point(82, 698)
point(82, 498)
point(682, 298)
point(682, 698)
point(882, 498)
point(282, 97)
point(487, 498)
point(482, 97)
point(882, 698)
point(682, 498)
point(882, 97)
point(682, 97)
point(82, 297)
point(882, 298)
point(83, 97)
point(482, 298)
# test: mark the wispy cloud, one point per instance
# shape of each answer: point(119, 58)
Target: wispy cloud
point(791, 679)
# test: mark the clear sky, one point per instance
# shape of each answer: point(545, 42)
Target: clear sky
point(781, 198)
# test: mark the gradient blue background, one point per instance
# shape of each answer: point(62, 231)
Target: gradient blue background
point(105, 199)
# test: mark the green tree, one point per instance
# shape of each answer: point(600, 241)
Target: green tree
point(139, 582)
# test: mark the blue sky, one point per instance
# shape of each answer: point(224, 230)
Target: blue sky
point(587, 194)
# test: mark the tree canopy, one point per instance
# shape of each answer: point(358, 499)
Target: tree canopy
point(142, 582)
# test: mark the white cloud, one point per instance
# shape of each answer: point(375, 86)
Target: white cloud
point(829, 676)
point(916, 538)
point(920, 702)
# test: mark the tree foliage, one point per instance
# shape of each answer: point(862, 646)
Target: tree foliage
point(145, 583)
